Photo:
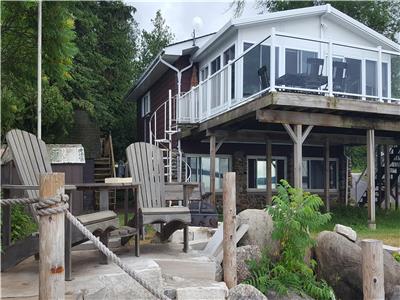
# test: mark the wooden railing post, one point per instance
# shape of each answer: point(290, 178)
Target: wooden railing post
point(229, 242)
point(372, 270)
point(51, 243)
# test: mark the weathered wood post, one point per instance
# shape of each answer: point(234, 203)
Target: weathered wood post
point(51, 243)
point(372, 270)
point(229, 242)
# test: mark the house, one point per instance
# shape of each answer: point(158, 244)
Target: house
point(226, 102)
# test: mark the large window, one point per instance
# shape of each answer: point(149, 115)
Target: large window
point(257, 172)
point(215, 65)
point(145, 104)
point(314, 173)
point(227, 56)
point(200, 166)
point(296, 60)
point(371, 78)
point(204, 73)
point(256, 68)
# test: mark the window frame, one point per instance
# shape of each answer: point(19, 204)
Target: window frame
point(334, 190)
point(196, 155)
point(145, 105)
point(260, 157)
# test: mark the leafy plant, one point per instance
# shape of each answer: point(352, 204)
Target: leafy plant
point(22, 224)
point(295, 214)
point(396, 256)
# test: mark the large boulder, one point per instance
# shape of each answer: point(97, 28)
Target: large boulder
point(243, 255)
point(260, 230)
point(339, 263)
point(245, 292)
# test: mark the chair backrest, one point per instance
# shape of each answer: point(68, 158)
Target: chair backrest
point(339, 75)
point(264, 78)
point(315, 66)
point(146, 166)
point(30, 157)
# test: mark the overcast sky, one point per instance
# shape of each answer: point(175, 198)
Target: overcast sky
point(179, 15)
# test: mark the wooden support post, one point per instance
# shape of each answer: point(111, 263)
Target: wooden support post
point(371, 178)
point(229, 242)
point(380, 176)
point(269, 172)
point(397, 198)
point(212, 169)
point(327, 179)
point(51, 244)
point(298, 157)
point(387, 176)
point(6, 225)
point(372, 270)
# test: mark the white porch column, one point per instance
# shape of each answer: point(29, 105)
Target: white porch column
point(371, 177)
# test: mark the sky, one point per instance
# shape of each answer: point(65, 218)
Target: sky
point(179, 15)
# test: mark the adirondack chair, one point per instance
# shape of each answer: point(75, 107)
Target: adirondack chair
point(146, 166)
point(31, 158)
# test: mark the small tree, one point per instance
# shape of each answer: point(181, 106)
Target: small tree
point(295, 214)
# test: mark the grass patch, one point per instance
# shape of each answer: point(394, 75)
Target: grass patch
point(387, 223)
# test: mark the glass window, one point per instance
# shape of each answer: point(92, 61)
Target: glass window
point(314, 173)
point(257, 172)
point(200, 167)
point(230, 55)
point(256, 68)
point(145, 104)
point(215, 65)
point(204, 73)
point(371, 78)
point(296, 60)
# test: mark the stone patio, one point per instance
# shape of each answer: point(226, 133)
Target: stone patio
point(181, 275)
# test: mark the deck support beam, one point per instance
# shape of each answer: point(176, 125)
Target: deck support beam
point(212, 168)
point(387, 176)
point(327, 179)
point(371, 177)
point(269, 171)
point(298, 138)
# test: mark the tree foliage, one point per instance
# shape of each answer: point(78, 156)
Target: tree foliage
point(382, 16)
point(295, 214)
point(19, 65)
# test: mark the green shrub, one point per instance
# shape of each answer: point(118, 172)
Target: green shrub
point(22, 224)
point(396, 256)
point(294, 214)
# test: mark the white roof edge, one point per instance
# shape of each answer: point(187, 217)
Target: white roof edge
point(294, 13)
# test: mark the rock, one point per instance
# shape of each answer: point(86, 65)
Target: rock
point(244, 254)
point(290, 296)
point(245, 292)
point(346, 232)
point(215, 291)
point(395, 295)
point(339, 263)
point(260, 230)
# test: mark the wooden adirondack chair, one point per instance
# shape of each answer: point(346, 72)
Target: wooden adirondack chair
point(146, 166)
point(31, 158)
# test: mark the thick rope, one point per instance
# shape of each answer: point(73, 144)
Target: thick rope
point(114, 257)
point(50, 206)
point(13, 201)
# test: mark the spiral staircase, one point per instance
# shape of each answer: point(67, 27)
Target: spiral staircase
point(163, 127)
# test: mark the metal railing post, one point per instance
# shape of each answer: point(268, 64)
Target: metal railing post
point(330, 69)
point(272, 62)
point(379, 68)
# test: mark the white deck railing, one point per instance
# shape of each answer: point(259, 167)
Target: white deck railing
point(230, 86)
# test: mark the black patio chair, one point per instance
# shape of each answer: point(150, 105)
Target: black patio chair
point(264, 78)
point(339, 74)
point(313, 78)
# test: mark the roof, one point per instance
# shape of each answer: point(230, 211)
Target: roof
point(296, 13)
point(157, 68)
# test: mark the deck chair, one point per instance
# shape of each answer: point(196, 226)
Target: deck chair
point(146, 166)
point(339, 76)
point(31, 159)
point(264, 78)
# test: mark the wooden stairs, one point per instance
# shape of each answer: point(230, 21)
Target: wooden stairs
point(104, 168)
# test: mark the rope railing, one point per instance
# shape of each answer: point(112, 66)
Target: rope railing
point(59, 204)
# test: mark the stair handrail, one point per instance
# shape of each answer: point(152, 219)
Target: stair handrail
point(112, 155)
point(358, 181)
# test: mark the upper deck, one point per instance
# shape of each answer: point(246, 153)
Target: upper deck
point(304, 73)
